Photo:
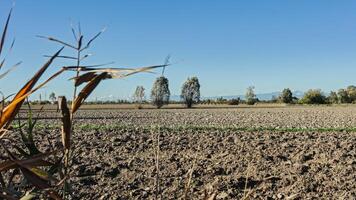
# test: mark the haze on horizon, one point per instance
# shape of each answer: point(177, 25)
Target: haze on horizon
point(228, 45)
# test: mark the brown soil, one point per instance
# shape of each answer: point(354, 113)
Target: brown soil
point(118, 159)
point(120, 164)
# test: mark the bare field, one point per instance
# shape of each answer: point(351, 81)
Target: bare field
point(293, 152)
point(262, 116)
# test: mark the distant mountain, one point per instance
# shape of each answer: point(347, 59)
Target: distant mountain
point(262, 96)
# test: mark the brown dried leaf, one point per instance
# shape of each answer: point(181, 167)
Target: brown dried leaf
point(66, 126)
point(11, 110)
point(84, 78)
point(87, 90)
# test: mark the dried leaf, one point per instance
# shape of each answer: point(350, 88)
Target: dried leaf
point(128, 71)
point(83, 78)
point(11, 110)
point(92, 68)
point(66, 122)
point(22, 98)
point(87, 90)
point(35, 179)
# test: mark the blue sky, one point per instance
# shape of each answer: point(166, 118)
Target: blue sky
point(229, 45)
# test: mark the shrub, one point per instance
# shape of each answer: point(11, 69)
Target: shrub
point(160, 92)
point(190, 91)
point(343, 96)
point(351, 92)
point(286, 96)
point(250, 96)
point(234, 101)
point(313, 97)
point(333, 98)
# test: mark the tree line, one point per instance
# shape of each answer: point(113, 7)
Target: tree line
point(312, 96)
point(190, 95)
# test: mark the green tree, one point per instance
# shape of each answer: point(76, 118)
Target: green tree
point(251, 96)
point(286, 96)
point(190, 91)
point(333, 98)
point(343, 96)
point(351, 92)
point(313, 97)
point(160, 93)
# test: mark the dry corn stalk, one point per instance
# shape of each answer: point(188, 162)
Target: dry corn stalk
point(66, 122)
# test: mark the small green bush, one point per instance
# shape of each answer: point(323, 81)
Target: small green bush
point(314, 96)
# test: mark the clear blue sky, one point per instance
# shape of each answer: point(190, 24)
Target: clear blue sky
point(229, 45)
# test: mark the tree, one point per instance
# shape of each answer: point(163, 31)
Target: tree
point(160, 92)
point(190, 91)
point(286, 96)
point(313, 97)
point(351, 92)
point(333, 98)
point(139, 94)
point(52, 97)
point(343, 96)
point(250, 96)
